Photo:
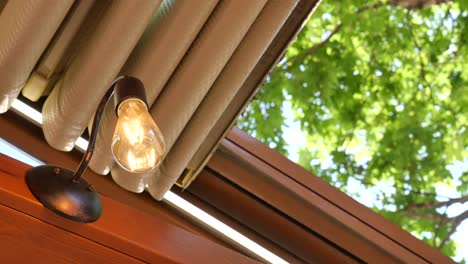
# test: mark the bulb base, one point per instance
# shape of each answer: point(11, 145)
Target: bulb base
point(129, 88)
point(54, 188)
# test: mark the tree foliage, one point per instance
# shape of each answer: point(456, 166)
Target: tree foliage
point(381, 90)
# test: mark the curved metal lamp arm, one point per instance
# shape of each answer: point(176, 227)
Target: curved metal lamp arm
point(65, 192)
point(92, 139)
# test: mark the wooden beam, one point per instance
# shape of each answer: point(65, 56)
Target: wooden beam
point(26, 239)
point(120, 228)
point(28, 137)
point(284, 185)
point(267, 222)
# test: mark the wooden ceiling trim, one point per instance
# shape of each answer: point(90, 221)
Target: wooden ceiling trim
point(28, 137)
point(287, 234)
point(273, 172)
point(120, 228)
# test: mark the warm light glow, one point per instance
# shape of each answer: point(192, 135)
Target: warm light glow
point(137, 145)
point(170, 197)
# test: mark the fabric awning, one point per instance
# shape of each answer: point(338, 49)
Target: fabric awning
point(193, 58)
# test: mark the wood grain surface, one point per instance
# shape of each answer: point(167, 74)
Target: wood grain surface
point(25, 239)
point(121, 229)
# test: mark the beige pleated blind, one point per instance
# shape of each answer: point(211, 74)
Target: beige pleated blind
point(193, 58)
point(26, 28)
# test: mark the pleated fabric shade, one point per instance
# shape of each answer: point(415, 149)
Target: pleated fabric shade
point(154, 62)
point(26, 27)
point(92, 70)
point(193, 58)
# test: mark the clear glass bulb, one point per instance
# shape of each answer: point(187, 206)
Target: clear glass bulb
point(137, 145)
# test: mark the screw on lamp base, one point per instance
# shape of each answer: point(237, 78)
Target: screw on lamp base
point(55, 189)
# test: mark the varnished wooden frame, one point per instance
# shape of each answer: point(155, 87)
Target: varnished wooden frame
point(122, 232)
point(263, 195)
point(308, 220)
point(151, 216)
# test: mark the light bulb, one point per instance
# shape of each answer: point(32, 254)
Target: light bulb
point(137, 144)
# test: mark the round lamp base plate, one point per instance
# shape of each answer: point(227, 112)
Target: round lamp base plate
point(54, 188)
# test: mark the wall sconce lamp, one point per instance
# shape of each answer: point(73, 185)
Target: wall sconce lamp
point(137, 146)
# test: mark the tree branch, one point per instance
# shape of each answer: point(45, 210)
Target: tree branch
point(409, 4)
point(313, 49)
point(374, 6)
point(461, 41)
point(417, 4)
point(454, 223)
point(301, 56)
point(412, 191)
point(414, 210)
point(422, 67)
point(439, 204)
point(437, 218)
point(439, 226)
